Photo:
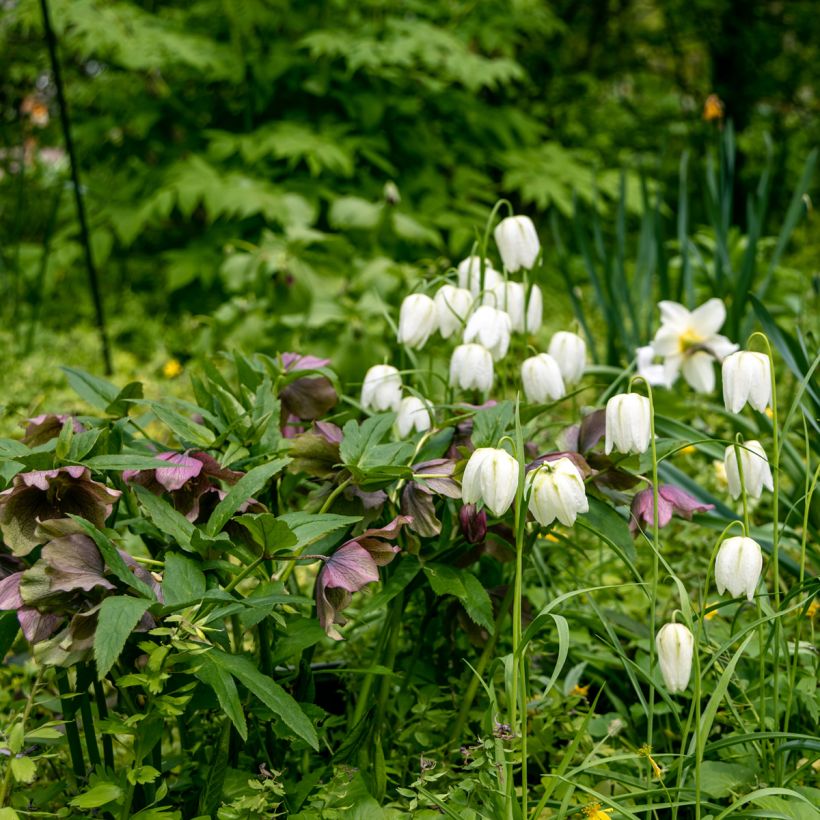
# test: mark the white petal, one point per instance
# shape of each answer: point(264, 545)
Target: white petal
point(699, 371)
point(708, 319)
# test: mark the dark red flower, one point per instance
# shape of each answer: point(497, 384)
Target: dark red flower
point(671, 500)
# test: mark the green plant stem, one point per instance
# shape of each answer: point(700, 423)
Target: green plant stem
point(394, 633)
point(654, 580)
point(72, 731)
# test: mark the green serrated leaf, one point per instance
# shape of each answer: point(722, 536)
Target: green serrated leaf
point(182, 581)
point(116, 620)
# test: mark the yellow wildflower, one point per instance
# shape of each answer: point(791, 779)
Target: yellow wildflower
point(595, 812)
point(688, 450)
point(580, 691)
point(646, 751)
point(720, 473)
point(769, 413)
point(711, 614)
point(713, 108)
point(813, 609)
point(171, 369)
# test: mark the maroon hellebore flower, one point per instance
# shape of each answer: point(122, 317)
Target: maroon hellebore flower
point(670, 500)
point(309, 397)
point(473, 523)
point(353, 566)
point(47, 426)
point(429, 478)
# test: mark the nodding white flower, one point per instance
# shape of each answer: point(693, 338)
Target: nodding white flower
point(570, 351)
point(491, 328)
point(654, 372)
point(491, 476)
point(471, 368)
point(542, 379)
point(688, 341)
point(756, 471)
point(628, 423)
point(535, 309)
point(418, 320)
point(509, 297)
point(738, 565)
point(675, 645)
point(557, 491)
point(413, 415)
point(453, 305)
point(469, 275)
point(517, 242)
point(747, 376)
point(381, 389)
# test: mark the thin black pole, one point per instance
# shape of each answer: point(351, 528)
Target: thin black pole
point(93, 281)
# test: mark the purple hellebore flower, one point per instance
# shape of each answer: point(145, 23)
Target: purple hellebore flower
point(316, 452)
point(670, 500)
point(473, 523)
point(354, 565)
point(309, 397)
point(429, 478)
point(47, 426)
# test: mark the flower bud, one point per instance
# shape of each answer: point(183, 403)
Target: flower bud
point(509, 297)
point(418, 319)
point(675, 645)
point(628, 423)
point(517, 242)
point(535, 309)
point(541, 378)
point(746, 377)
point(473, 523)
point(381, 389)
point(453, 305)
point(756, 471)
point(469, 275)
point(413, 415)
point(491, 476)
point(471, 368)
point(491, 328)
point(738, 565)
point(570, 351)
point(557, 491)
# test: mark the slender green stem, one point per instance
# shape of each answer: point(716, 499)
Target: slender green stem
point(389, 660)
point(698, 749)
point(656, 548)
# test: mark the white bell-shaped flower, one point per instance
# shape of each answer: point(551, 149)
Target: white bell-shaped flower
point(738, 566)
point(535, 309)
point(675, 645)
point(628, 424)
point(509, 297)
point(557, 490)
point(542, 379)
point(517, 242)
point(453, 305)
point(755, 465)
point(471, 368)
point(413, 416)
point(491, 476)
point(469, 275)
point(747, 376)
point(570, 351)
point(381, 389)
point(418, 320)
point(491, 328)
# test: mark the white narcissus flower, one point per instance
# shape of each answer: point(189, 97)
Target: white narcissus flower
point(491, 328)
point(469, 275)
point(654, 372)
point(628, 423)
point(381, 389)
point(542, 379)
point(688, 341)
point(517, 242)
point(747, 376)
point(491, 476)
point(570, 351)
point(535, 309)
point(509, 297)
point(738, 565)
point(755, 465)
point(418, 320)
point(557, 491)
point(453, 305)
point(413, 415)
point(675, 645)
point(471, 368)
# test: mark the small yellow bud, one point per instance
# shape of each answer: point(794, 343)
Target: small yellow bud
point(171, 369)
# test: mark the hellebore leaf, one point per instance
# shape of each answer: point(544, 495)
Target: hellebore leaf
point(310, 528)
point(447, 580)
point(97, 796)
point(118, 616)
point(122, 404)
point(165, 517)
point(97, 392)
point(268, 531)
point(182, 581)
point(224, 686)
point(490, 424)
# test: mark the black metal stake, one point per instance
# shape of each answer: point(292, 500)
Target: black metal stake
point(93, 281)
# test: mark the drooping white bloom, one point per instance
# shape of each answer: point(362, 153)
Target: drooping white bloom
point(570, 351)
point(471, 368)
point(535, 309)
point(381, 389)
point(491, 328)
point(738, 565)
point(413, 415)
point(756, 471)
point(517, 242)
point(557, 491)
point(675, 645)
point(688, 341)
point(418, 320)
point(747, 376)
point(654, 372)
point(628, 423)
point(542, 379)
point(469, 275)
point(509, 297)
point(453, 305)
point(491, 476)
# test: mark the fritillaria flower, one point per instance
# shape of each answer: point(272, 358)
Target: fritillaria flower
point(453, 305)
point(413, 416)
point(517, 242)
point(471, 368)
point(628, 423)
point(381, 389)
point(671, 501)
point(675, 645)
point(747, 377)
point(541, 378)
point(469, 275)
point(570, 351)
point(491, 476)
point(490, 328)
point(738, 566)
point(756, 471)
point(418, 320)
point(509, 297)
point(557, 491)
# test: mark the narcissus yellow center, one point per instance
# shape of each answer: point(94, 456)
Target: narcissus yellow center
point(689, 339)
